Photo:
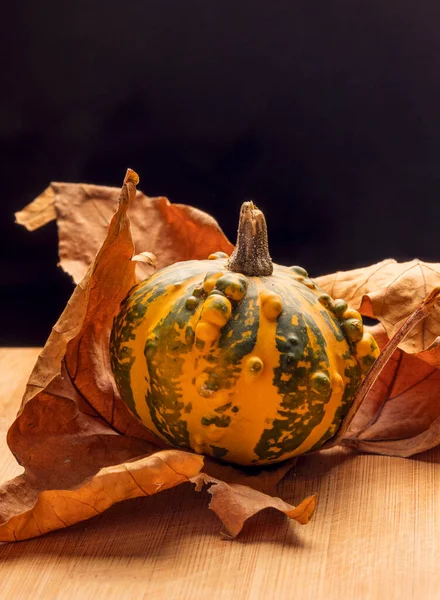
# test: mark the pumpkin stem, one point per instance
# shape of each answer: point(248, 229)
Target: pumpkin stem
point(251, 254)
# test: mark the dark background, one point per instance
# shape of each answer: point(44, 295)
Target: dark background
point(327, 114)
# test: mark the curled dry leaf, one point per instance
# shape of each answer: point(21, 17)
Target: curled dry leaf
point(146, 257)
point(81, 449)
point(234, 503)
point(83, 213)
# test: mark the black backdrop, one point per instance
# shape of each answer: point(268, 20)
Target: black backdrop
point(327, 114)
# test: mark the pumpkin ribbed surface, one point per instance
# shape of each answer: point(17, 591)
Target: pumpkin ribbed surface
point(252, 370)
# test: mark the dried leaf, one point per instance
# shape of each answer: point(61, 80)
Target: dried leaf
point(234, 504)
point(146, 263)
point(39, 212)
point(390, 291)
point(146, 257)
point(48, 510)
point(81, 449)
point(401, 414)
point(172, 232)
point(71, 394)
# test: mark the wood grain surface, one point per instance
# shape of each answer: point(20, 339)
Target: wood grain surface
point(375, 535)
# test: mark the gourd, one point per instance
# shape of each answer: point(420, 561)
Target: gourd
point(239, 358)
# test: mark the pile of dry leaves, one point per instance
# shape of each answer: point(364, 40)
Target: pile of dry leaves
point(81, 449)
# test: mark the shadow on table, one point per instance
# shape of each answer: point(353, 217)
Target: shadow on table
point(429, 456)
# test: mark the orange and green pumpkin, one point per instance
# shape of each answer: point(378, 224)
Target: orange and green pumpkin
point(238, 358)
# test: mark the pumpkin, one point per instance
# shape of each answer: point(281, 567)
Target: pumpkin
point(237, 357)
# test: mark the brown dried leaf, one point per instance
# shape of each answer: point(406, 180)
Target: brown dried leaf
point(73, 434)
point(39, 212)
point(390, 291)
point(71, 393)
point(38, 513)
point(234, 504)
point(401, 414)
point(172, 232)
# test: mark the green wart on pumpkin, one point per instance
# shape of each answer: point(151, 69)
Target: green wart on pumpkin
point(237, 357)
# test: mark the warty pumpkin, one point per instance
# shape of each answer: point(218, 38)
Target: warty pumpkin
point(238, 358)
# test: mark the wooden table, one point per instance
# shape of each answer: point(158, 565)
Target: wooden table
point(376, 534)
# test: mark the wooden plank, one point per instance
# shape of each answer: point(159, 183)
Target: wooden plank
point(375, 536)
point(15, 367)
